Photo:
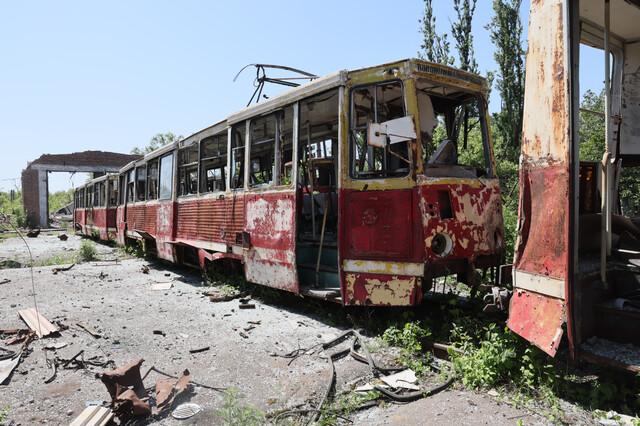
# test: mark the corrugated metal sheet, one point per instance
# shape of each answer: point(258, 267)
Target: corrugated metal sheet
point(211, 220)
point(37, 322)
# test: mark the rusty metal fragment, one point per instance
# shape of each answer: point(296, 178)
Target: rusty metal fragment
point(56, 270)
point(127, 391)
point(37, 322)
point(167, 391)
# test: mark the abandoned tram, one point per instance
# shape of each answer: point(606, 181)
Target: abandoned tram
point(359, 187)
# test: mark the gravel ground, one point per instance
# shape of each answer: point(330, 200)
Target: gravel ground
point(162, 327)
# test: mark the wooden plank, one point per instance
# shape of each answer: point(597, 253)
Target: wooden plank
point(93, 415)
point(37, 322)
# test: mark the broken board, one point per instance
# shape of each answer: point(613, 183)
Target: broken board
point(37, 322)
point(93, 415)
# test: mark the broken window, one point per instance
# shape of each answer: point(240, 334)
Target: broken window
point(113, 192)
point(213, 163)
point(319, 136)
point(453, 131)
point(377, 103)
point(96, 195)
point(152, 180)
point(102, 202)
point(166, 176)
point(131, 185)
point(237, 156)
point(141, 181)
point(263, 136)
point(122, 179)
point(188, 170)
point(284, 146)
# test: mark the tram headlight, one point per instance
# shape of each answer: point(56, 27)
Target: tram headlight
point(442, 244)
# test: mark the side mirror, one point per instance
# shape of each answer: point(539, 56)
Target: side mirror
point(393, 131)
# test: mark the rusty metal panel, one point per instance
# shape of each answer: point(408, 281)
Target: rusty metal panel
point(379, 224)
point(121, 225)
point(212, 220)
point(270, 222)
point(543, 228)
point(473, 219)
point(165, 230)
point(542, 246)
point(37, 322)
point(537, 318)
point(381, 290)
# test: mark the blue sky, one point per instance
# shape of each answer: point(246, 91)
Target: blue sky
point(79, 75)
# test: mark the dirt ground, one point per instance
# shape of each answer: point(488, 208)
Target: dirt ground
point(239, 348)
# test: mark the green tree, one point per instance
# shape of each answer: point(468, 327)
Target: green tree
point(506, 32)
point(435, 48)
point(591, 126)
point(156, 142)
point(60, 199)
point(461, 32)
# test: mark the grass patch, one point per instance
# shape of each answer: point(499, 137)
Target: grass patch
point(87, 251)
point(234, 412)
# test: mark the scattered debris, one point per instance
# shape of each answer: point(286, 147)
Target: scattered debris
point(255, 321)
point(159, 332)
point(167, 391)
point(161, 286)
point(217, 296)
point(24, 336)
point(195, 351)
point(247, 306)
point(93, 415)
point(63, 237)
point(127, 391)
point(92, 331)
point(184, 411)
point(56, 270)
point(244, 335)
point(7, 366)
point(5, 281)
point(403, 379)
point(145, 269)
point(37, 322)
point(56, 345)
point(493, 393)
point(33, 234)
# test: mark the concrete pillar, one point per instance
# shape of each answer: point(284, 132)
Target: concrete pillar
point(43, 199)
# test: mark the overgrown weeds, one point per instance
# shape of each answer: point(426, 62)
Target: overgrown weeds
point(87, 251)
point(234, 412)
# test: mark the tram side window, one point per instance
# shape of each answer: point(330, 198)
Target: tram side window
point(319, 137)
point(453, 131)
point(377, 103)
point(166, 176)
point(102, 194)
point(113, 192)
point(213, 164)
point(152, 180)
point(81, 198)
point(188, 170)
point(141, 181)
point(96, 195)
point(131, 185)
point(284, 148)
point(237, 156)
point(122, 195)
point(263, 137)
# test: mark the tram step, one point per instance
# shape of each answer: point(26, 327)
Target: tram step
point(325, 293)
point(617, 321)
